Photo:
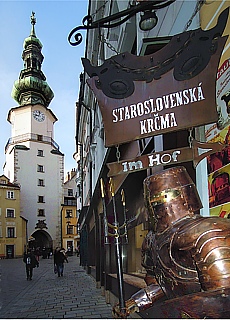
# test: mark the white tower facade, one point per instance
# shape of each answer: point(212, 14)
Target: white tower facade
point(33, 158)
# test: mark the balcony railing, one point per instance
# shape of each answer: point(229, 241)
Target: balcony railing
point(31, 137)
point(70, 202)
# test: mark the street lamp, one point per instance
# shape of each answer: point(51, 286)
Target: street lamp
point(148, 19)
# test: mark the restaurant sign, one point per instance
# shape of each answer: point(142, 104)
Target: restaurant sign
point(170, 90)
point(196, 152)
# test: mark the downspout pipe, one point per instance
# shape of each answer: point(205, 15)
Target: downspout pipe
point(90, 142)
point(61, 228)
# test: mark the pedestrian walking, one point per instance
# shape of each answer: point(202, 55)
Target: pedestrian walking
point(31, 262)
point(78, 250)
point(59, 259)
point(37, 253)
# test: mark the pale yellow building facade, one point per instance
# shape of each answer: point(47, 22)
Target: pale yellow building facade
point(69, 215)
point(13, 234)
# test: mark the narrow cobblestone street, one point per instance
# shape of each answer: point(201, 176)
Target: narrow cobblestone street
point(72, 296)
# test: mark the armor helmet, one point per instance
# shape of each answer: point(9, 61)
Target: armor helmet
point(169, 196)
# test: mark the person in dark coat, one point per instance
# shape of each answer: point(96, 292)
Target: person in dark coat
point(59, 259)
point(31, 262)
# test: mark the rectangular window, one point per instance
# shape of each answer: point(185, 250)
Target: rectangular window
point(146, 145)
point(78, 190)
point(40, 137)
point(69, 230)
point(40, 168)
point(10, 213)
point(70, 192)
point(10, 194)
point(41, 183)
point(0, 231)
point(11, 232)
point(41, 199)
point(69, 213)
point(41, 212)
point(40, 153)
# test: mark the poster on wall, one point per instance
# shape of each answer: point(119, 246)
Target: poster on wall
point(222, 211)
point(219, 186)
point(222, 158)
point(218, 164)
point(223, 101)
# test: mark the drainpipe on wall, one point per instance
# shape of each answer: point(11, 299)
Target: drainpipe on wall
point(90, 143)
point(61, 228)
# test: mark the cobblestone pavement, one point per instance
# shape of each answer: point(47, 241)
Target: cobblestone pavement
point(72, 296)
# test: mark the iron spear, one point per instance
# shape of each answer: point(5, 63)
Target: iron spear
point(118, 253)
point(124, 212)
point(104, 211)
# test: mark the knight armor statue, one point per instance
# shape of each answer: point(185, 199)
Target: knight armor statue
point(184, 253)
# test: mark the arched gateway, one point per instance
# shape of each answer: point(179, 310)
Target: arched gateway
point(42, 239)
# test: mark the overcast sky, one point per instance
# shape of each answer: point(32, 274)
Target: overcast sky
point(61, 65)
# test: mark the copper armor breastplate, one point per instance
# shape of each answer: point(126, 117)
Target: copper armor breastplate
point(175, 269)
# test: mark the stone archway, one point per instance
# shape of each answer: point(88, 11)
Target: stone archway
point(42, 239)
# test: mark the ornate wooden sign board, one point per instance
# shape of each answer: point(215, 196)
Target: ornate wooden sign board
point(170, 90)
point(167, 157)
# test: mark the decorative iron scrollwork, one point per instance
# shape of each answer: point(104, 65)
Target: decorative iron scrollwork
point(116, 19)
point(187, 54)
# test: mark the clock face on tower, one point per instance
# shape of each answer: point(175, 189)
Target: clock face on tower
point(38, 115)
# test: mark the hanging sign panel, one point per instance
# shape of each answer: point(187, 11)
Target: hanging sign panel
point(196, 152)
point(170, 90)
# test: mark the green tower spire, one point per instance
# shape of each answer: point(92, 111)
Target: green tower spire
point(31, 87)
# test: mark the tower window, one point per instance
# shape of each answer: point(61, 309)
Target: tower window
point(41, 199)
point(34, 63)
point(41, 212)
point(27, 63)
point(40, 137)
point(40, 168)
point(41, 183)
point(40, 153)
point(10, 213)
point(70, 192)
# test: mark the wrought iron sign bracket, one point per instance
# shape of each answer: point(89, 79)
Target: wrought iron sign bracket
point(116, 19)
